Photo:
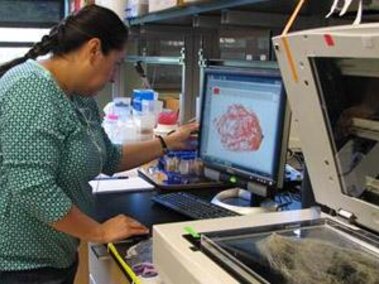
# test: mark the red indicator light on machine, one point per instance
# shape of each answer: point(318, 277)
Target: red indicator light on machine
point(216, 91)
point(329, 40)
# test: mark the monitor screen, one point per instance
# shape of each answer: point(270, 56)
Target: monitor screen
point(242, 124)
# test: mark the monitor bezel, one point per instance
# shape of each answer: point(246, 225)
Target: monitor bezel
point(277, 179)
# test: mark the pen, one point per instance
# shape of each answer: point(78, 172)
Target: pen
point(112, 178)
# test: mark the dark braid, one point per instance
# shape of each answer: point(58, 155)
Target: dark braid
point(39, 49)
point(5, 67)
point(90, 22)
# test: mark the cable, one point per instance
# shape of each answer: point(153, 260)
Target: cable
point(88, 122)
point(285, 199)
point(295, 156)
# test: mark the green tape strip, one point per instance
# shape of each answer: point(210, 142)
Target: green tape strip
point(192, 232)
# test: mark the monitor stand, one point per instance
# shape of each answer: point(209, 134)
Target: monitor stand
point(243, 202)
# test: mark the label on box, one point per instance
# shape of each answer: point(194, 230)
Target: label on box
point(158, 5)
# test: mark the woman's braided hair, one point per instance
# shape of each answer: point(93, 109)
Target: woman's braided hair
point(90, 22)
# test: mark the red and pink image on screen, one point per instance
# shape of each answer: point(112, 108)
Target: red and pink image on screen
point(239, 129)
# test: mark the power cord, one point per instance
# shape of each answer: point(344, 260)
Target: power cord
point(296, 160)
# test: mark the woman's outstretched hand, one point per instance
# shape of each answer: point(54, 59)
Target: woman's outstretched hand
point(121, 227)
point(183, 137)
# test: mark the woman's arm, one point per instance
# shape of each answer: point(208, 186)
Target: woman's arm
point(79, 225)
point(134, 155)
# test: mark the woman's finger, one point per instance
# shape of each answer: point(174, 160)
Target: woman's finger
point(138, 231)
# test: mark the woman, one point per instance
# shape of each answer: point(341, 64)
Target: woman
point(52, 144)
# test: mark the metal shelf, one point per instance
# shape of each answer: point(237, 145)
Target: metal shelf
point(242, 63)
point(190, 10)
point(155, 60)
point(216, 6)
point(197, 22)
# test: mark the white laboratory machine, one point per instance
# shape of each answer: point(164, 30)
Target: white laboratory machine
point(331, 77)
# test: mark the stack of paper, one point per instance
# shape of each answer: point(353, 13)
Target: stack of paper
point(119, 185)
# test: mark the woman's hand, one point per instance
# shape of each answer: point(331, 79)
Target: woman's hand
point(119, 228)
point(181, 138)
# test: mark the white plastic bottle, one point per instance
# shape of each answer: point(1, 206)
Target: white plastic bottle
point(110, 126)
point(122, 108)
point(127, 131)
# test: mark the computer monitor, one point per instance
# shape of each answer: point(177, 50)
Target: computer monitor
point(244, 127)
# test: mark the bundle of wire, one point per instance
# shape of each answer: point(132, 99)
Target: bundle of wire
point(315, 261)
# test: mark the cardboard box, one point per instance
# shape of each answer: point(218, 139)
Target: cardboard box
point(76, 5)
point(171, 103)
point(136, 8)
point(159, 5)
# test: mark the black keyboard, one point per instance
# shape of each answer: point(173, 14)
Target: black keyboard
point(192, 206)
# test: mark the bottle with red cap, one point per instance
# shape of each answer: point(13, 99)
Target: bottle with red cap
point(167, 122)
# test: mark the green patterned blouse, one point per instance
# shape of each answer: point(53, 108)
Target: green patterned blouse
point(51, 145)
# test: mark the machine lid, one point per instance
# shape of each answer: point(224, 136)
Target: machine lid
point(336, 103)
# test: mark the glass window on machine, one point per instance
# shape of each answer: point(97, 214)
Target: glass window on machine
point(349, 92)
